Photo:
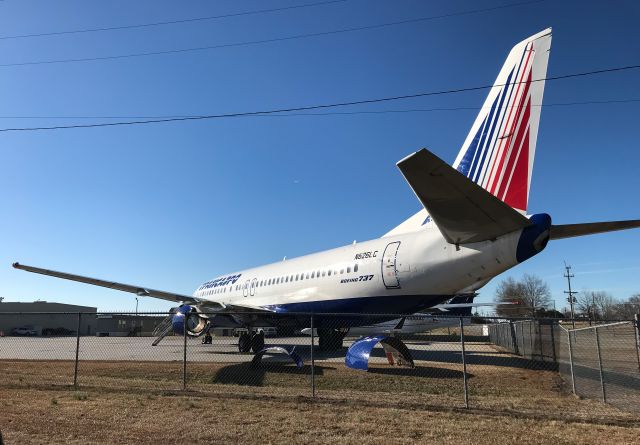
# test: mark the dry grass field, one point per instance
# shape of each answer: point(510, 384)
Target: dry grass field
point(125, 402)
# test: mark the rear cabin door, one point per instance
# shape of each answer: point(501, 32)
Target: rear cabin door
point(245, 288)
point(389, 266)
point(252, 290)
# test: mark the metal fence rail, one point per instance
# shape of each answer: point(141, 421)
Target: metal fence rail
point(457, 362)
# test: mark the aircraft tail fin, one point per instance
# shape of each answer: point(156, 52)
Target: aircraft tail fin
point(499, 150)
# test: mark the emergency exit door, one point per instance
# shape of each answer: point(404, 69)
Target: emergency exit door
point(389, 266)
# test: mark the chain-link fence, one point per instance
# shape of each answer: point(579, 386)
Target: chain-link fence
point(426, 360)
point(600, 362)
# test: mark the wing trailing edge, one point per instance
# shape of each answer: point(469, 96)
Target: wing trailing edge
point(463, 211)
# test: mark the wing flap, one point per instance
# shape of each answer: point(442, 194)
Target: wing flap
point(570, 230)
point(463, 211)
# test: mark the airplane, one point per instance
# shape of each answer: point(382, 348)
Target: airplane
point(473, 226)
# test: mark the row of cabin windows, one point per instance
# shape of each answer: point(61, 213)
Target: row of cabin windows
point(305, 276)
point(290, 278)
point(217, 291)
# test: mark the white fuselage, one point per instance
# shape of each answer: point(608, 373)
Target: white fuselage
point(395, 274)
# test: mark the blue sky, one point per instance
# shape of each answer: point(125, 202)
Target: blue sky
point(171, 205)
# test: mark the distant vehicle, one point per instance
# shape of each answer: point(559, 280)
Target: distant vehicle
point(24, 330)
point(269, 331)
point(57, 331)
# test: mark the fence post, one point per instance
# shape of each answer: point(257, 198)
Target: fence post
point(75, 370)
point(523, 352)
point(464, 365)
point(184, 354)
point(604, 394)
point(539, 327)
point(553, 342)
point(313, 363)
point(514, 340)
point(636, 325)
point(573, 376)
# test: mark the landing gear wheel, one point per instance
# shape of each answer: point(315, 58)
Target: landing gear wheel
point(244, 342)
point(257, 342)
point(330, 339)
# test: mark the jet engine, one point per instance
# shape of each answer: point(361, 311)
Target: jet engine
point(196, 323)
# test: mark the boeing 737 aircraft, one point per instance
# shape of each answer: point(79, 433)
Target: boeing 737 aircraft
point(473, 227)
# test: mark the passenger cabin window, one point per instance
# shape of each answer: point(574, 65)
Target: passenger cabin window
point(355, 268)
point(349, 269)
point(313, 274)
point(329, 272)
point(307, 277)
point(341, 271)
point(324, 273)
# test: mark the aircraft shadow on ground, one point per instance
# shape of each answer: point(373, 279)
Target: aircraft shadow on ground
point(488, 358)
point(248, 375)
point(420, 371)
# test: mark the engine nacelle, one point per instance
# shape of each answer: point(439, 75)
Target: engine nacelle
point(196, 323)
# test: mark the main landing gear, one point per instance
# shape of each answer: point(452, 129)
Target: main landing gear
point(330, 339)
point(253, 341)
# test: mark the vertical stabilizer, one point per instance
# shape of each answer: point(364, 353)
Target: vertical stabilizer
point(498, 153)
point(499, 150)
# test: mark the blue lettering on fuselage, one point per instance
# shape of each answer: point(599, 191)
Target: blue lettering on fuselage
point(224, 281)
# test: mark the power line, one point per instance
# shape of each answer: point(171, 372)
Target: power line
point(264, 41)
point(337, 113)
point(314, 107)
point(171, 22)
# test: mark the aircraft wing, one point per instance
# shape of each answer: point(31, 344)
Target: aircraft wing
point(463, 211)
point(141, 291)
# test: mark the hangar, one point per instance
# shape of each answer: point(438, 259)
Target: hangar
point(47, 318)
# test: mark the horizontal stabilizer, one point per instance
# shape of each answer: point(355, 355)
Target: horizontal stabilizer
point(463, 211)
point(571, 230)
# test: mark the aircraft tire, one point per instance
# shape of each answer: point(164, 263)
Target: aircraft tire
point(244, 342)
point(257, 342)
point(330, 339)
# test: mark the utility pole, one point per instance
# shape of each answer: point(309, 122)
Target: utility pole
point(571, 299)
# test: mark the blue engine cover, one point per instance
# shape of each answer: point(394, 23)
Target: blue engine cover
point(179, 318)
point(396, 351)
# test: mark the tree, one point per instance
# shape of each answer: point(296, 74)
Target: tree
point(530, 294)
point(626, 310)
point(598, 305)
